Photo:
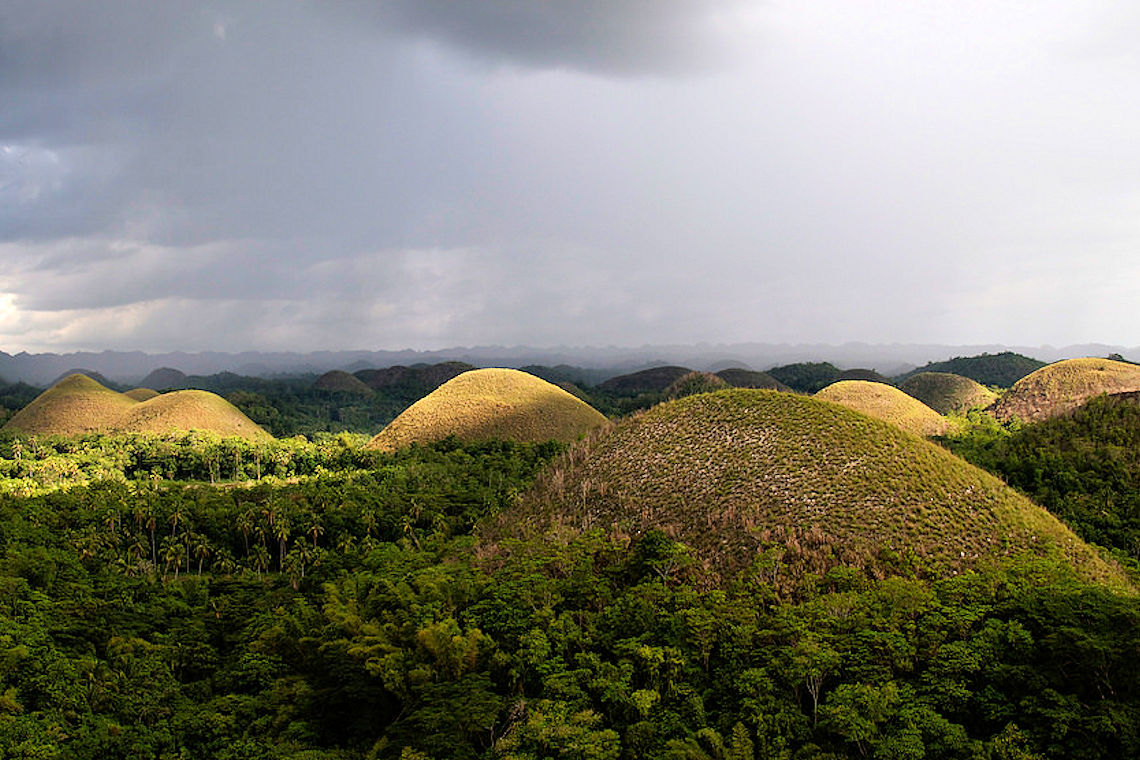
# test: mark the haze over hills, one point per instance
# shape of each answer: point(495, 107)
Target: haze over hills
point(132, 366)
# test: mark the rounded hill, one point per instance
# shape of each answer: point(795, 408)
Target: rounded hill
point(140, 394)
point(652, 380)
point(945, 392)
point(189, 410)
point(73, 406)
point(164, 378)
point(695, 382)
point(1063, 386)
point(339, 381)
point(887, 403)
point(485, 404)
point(740, 473)
point(748, 378)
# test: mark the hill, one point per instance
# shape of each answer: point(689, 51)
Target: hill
point(886, 403)
point(486, 404)
point(73, 406)
point(652, 380)
point(694, 382)
point(413, 382)
point(140, 394)
point(1002, 370)
point(869, 375)
point(164, 378)
point(1063, 386)
point(806, 377)
point(188, 410)
point(739, 473)
point(945, 392)
point(747, 378)
point(339, 381)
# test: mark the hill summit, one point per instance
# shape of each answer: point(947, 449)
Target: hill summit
point(886, 403)
point(945, 392)
point(1063, 386)
point(77, 405)
point(737, 474)
point(484, 404)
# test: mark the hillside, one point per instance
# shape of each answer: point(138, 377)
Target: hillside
point(945, 392)
point(73, 406)
point(1063, 386)
point(887, 403)
point(806, 377)
point(188, 410)
point(860, 373)
point(652, 380)
point(694, 382)
point(486, 404)
point(415, 381)
point(77, 405)
point(747, 378)
point(339, 381)
point(1002, 370)
point(736, 473)
point(164, 378)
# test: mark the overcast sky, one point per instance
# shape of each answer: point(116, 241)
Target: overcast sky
point(428, 173)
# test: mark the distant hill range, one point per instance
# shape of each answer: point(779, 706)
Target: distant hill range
point(1002, 370)
point(578, 365)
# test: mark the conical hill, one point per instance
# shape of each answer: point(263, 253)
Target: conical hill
point(77, 405)
point(737, 473)
point(485, 404)
point(886, 403)
point(73, 406)
point(945, 392)
point(189, 410)
point(1063, 386)
point(340, 381)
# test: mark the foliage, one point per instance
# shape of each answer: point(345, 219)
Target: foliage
point(806, 377)
point(1001, 370)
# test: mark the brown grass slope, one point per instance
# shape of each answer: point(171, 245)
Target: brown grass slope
point(945, 392)
point(140, 394)
point(73, 406)
point(189, 410)
point(887, 403)
point(1063, 386)
point(485, 404)
point(738, 472)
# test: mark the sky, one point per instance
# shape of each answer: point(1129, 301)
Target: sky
point(387, 174)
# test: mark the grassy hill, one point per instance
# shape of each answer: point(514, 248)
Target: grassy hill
point(140, 394)
point(73, 406)
point(860, 373)
point(806, 377)
point(652, 380)
point(164, 378)
point(887, 403)
point(1002, 370)
point(1063, 386)
point(486, 404)
point(188, 410)
point(695, 382)
point(945, 392)
point(339, 381)
point(77, 405)
point(747, 378)
point(738, 473)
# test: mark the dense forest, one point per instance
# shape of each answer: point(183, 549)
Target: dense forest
point(344, 606)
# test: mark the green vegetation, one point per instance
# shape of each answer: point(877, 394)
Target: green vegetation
point(806, 377)
point(887, 403)
point(746, 378)
point(349, 616)
point(869, 375)
point(695, 382)
point(486, 404)
point(1065, 385)
point(652, 380)
point(1083, 467)
point(946, 393)
point(806, 485)
point(342, 382)
point(1000, 370)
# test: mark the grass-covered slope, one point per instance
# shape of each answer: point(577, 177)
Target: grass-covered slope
point(747, 378)
point(73, 406)
point(886, 403)
point(1003, 369)
point(945, 392)
point(188, 410)
point(736, 473)
point(339, 381)
point(140, 394)
point(806, 377)
point(1063, 386)
point(652, 380)
point(485, 404)
point(695, 382)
